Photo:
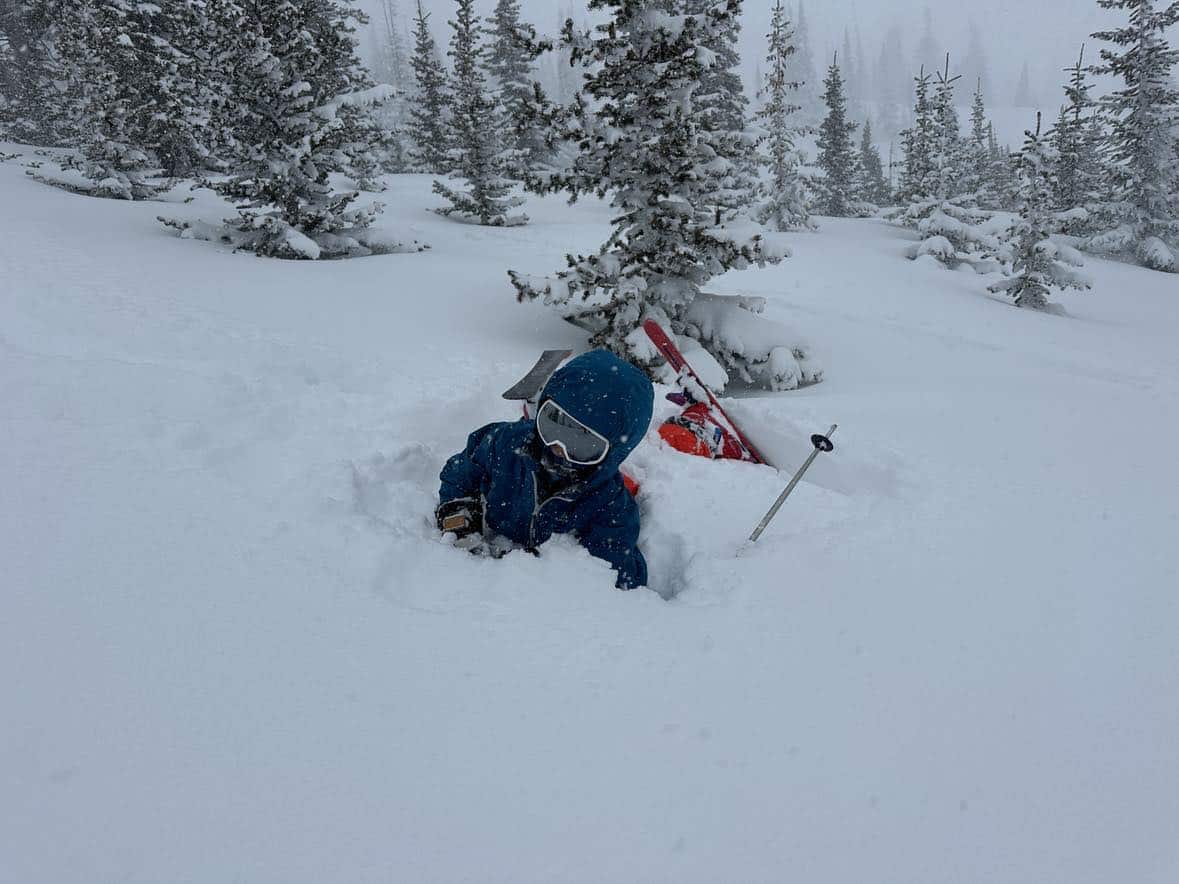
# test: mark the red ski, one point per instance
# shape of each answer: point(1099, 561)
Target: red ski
point(667, 348)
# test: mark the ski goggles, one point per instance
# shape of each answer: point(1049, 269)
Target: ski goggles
point(578, 443)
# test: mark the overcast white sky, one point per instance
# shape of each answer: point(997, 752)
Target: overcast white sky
point(1045, 33)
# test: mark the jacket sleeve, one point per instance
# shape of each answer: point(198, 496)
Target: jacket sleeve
point(611, 532)
point(469, 472)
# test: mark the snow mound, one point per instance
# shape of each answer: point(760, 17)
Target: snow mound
point(757, 350)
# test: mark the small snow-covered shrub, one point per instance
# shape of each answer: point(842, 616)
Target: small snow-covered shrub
point(274, 238)
point(955, 235)
point(1040, 264)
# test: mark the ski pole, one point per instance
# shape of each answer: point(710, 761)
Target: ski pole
point(822, 445)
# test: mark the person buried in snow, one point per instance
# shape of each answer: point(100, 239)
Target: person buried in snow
point(516, 484)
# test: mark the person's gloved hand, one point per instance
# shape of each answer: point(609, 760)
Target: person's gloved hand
point(461, 517)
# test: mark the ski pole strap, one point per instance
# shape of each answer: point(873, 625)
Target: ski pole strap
point(822, 445)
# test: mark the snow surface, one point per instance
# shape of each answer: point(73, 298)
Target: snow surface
point(234, 649)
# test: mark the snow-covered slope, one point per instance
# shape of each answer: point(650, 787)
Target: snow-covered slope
point(234, 650)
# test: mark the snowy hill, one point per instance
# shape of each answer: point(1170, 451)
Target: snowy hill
point(235, 649)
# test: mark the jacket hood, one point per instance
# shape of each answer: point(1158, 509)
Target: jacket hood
point(608, 395)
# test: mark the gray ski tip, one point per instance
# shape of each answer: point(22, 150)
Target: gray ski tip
point(529, 386)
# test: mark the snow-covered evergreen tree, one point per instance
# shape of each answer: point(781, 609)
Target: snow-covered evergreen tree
point(946, 155)
point(784, 204)
point(1023, 89)
point(477, 153)
point(509, 54)
point(976, 151)
point(979, 121)
point(1141, 217)
point(1040, 265)
point(851, 75)
point(300, 109)
point(391, 67)
point(837, 157)
point(863, 73)
point(917, 144)
point(568, 80)
point(1002, 178)
point(721, 104)
point(510, 64)
point(941, 206)
point(32, 104)
point(930, 48)
point(802, 70)
point(641, 144)
point(975, 68)
point(135, 94)
point(1077, 143)
point(871, 186)
point(891, 82)
point(391, 55)
point(429, 116)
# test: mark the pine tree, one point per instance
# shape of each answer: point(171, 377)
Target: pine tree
point(891, 87)
point(851, 75)
point(477, 154)
point(1141, 218)
point(1039, 264)
point(871, 186)
point(977, 151)
point(300, 111)
point(979, 124)
point(429, 115)
point(721, 106)
point(180, 133)
point(836, 153)
point(1077, 145)
point(135, 96)
point(1002, 185)
point(917, 144)
point(784, 206)
point(863, 74)
point(392, 54)
point(391, 66)
point(1023, 91)
point(510, 66)
point(802, 70)
point(32, 106)
point(995, 187)
point(567, 79)
point(929, 47)
point(974, 66)
point(641, 143)
point(940, 204)
point(945, 155)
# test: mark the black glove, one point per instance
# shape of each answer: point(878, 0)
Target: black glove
point(461, 517)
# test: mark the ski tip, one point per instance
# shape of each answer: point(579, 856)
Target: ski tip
point(654, 329)
point(532, 383)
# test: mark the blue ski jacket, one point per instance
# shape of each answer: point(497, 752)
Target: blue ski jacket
point(501, 461)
